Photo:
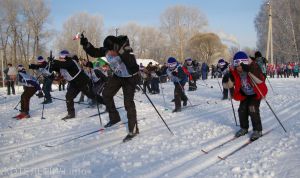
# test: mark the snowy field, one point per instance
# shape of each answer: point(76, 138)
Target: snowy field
point(155, 152)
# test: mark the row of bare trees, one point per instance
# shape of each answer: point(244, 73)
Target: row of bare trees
point(22, 29)
point(180, 35)
point(25, 34)
point(286, 29)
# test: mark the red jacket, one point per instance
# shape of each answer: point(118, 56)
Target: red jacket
point(260, 88)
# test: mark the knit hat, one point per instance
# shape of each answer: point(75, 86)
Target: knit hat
point(240, 57)
point(189, 60)
point(40, 59)
point(111, 43)
point(20, 67)
point(221, 62)
point(172, 63)
point(63, 54)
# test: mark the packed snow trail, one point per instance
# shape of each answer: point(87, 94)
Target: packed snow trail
point(154, 152)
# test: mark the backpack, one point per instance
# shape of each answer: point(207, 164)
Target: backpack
point(261, 61)
point(127, 55)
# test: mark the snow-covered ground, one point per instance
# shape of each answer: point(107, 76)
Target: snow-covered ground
point(155, 152)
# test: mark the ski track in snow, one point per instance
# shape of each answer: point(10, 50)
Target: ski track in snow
point(154, 152)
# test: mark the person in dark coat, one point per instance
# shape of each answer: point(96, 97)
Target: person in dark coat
point(43, 69)
point(223, 70)
point(30, 86)
point(125, 70)
point(78, 80)
point(179, 78)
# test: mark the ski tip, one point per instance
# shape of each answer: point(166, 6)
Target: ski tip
point(221, 158)
point(204, 151)
point(49, 146)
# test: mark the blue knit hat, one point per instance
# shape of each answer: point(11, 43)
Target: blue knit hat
point(221, 62)
point(172, 63)
point(63, 54)
point(40, 59)
point(189, 60)
point(240, 57)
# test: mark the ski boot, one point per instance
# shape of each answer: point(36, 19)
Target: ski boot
point(241, 132)
point(110, 123)
point(129, 137)
point(176, 110)
point(255, 135)
point(69, 116)
point(22, 115)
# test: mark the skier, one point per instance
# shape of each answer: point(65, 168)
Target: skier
point(78, 81)
point(31, 86)
point(125, 75)
point(249, 86)
point(98, 80)
point(222, 70)
point(189, 65)
point(179, 78)
point(44, 70)
point(261, 61)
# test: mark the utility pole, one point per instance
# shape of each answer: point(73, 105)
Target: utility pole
point(293, 31)
point(2, 66)
point(270, 36)
point(117, 29)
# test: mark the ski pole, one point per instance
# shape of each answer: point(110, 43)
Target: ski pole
point(15, 108)
point(157, 111)
point(270, 85)
point(220, 85)
point(162, 91)
point(65, 100)
point(93, 84)
point(43, 108)
point(266, 101)
point(229, 93)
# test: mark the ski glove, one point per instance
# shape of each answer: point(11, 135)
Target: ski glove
point(84, 41)
point(174, 73)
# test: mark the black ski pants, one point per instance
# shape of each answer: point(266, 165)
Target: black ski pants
point(128, 85)
point(25, 98)
point(250, 107)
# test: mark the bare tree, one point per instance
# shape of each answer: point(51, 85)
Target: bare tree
point(206, 47)
point(91, 25)
point(36, 13)
point(286, 28)
point(180, 23)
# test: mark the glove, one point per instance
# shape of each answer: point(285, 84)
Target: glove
point(229, 84)
point(174, 73)
point(31, 66)
point(40, 94)
point(83, 41)
point(50, 59)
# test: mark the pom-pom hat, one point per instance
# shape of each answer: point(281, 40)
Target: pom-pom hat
point(40, 59)
point(240, 57)
point(63, 54)
point(172, 63)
